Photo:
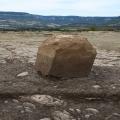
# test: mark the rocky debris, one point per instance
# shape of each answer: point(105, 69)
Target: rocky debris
point(47, 100)
point(28, 104)
point(65, 56)
point(75, 113)
point(87, 116)
point(91, 114)
point(114, 116)
point(58, 115)
point(22, 74)
point(27, 109)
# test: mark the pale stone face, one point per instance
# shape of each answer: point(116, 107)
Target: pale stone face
point(65, 56)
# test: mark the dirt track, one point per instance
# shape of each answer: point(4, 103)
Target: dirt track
point(18, 53)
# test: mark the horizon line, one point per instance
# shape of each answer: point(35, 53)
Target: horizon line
point(58, 15)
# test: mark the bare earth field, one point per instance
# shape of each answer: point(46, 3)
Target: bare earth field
point(96, 97)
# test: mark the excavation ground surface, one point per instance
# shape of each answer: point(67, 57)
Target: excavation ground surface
point(100, 91)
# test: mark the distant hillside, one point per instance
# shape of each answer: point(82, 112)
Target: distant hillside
point(20, 20)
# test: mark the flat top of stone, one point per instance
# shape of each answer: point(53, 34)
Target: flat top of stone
point(66, 41)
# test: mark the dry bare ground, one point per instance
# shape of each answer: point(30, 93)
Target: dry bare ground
point(93, 98)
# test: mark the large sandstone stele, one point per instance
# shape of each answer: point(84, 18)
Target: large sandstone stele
point(65, 56)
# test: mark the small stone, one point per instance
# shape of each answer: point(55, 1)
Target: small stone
point(96, 86)
point(87, 116)
point(78, 111)
point(5, 101)
point(15, 101)
point(65, 112)
point(47, 100)
point(19, 107)
point(45, 119)
point(27, 104)
point(22, 111)
point(22, 74)
point(116, 114)
point(2, 61)
point(95, 111)
point(90, 98)
point(113, 87)
point(96, 74)
point(27, 109)
point(71, 109)
point(58, 115)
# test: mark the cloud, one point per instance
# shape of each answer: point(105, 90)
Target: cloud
point(63, 7)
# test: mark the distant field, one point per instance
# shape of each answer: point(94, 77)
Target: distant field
point(101, 39)
point(104, 40)
point(24, 45)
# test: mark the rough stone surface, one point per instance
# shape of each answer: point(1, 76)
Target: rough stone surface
point(58, 115)
point(22, 74)
point(46, 100)
point(65, 56)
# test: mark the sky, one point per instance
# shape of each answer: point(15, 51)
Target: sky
point(63, 7)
